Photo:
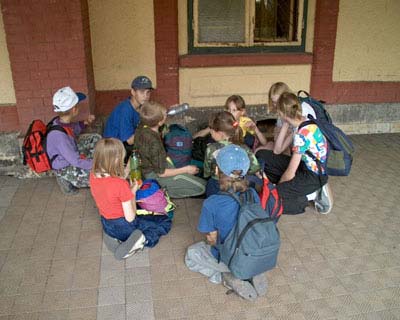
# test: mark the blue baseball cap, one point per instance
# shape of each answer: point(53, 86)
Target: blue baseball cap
point(142, 82)
point(231, 158)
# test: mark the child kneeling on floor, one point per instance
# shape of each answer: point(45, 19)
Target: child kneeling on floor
point(124, 232)
point(217, 218)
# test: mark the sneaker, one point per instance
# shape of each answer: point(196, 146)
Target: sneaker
point(260, 283)
point(133, 244)
point(324, 200)
point(242, 288)
point(66, 187)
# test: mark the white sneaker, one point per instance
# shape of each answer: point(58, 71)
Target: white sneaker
point(138, 246)
point(133, 244)
point(324, 201)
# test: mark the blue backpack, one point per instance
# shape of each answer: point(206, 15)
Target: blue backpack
point(252, 246)
point(178, 142)
point(340, 148)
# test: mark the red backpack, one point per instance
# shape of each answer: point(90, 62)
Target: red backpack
point(34, 145)
point(270, 200)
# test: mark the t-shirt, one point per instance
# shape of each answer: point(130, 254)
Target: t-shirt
point(63, 147)
point(151, 149)
point(219, 213)
point(122, 122)
point(310, 138)
point(109, 193)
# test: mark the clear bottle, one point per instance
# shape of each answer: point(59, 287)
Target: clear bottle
point(178, 109)
point(134, 165)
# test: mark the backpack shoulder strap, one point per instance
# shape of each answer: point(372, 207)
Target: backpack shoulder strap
point(232, 195)
point(56, 128)
point(306, 123)
point(50, 127)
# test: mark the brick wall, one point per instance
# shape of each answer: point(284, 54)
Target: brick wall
point(47, 44)
point(167, 54)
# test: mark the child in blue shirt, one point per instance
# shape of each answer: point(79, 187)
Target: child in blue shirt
point(125, 118)
point(217, 218)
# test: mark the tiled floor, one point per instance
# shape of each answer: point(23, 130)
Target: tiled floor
point(345, 265)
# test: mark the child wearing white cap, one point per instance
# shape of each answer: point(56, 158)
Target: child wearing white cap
point(70, 154)
point(217, 218)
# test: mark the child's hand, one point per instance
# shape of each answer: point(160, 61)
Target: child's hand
point(135, 185)
point(250, 124)
point(192, 169)
point(90, 119)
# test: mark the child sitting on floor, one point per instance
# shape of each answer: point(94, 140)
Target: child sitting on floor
point(235, 104)
point(224, 130)
point(300, 175)
point(217, 218)
point(69, 152)
point(124, 231)
point(179, 182)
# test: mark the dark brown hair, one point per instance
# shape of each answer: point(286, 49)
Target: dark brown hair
point(225, 122)
point(237, 100)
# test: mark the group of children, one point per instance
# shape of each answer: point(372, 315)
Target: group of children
point(294, 161)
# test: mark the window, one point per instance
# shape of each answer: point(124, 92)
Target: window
point(247, 25)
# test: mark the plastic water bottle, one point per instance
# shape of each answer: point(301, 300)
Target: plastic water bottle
point(134, 165)
point(178, 109)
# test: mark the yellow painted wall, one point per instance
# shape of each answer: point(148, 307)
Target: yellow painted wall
point(211, 86)
point(310, 26)
point(202, 87)
point(7, 93)
point(123, 43)
point(368, 41)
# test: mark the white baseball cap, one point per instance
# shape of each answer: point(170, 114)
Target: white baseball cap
point(66, 98)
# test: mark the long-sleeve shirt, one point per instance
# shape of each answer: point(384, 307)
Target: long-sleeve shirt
point(65, 147)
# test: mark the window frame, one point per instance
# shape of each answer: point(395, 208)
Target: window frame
point(273, 47)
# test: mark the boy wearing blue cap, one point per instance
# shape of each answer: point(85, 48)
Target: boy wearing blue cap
point(124, 119)
point(217, 218)
point(70, 154)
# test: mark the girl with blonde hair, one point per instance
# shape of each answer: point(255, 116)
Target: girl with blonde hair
point(124, 232)
point(301, 175)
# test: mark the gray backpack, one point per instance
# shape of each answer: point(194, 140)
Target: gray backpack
point(252, 246)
